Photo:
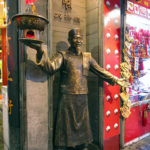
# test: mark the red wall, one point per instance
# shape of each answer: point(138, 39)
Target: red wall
point(134, 124)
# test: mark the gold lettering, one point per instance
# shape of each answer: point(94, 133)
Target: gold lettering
point(9, 78)
point(9, 38)
point(10, 105)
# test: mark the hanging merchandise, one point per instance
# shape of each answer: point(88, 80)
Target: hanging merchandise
point(125, 70)
point(136, 63)
point(125, 110)
point(125, 73)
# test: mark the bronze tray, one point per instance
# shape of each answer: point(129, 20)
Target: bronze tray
point(30, 21)
point(27, 40)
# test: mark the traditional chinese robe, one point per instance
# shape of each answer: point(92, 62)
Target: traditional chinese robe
point(73, 126)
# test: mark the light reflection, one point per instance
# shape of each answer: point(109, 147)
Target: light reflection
point(111, 15)
point(2, 2)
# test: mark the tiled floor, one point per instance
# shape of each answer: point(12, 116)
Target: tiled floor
point(140, 145)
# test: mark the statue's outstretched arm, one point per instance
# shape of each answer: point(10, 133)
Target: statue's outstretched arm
point(105, 75)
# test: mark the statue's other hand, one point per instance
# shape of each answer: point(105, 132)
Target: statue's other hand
point(123, 83)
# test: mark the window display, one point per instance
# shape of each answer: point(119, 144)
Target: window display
point(138, 30)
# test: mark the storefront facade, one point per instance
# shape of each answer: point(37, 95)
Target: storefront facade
point(136, 18)
point(33, 102)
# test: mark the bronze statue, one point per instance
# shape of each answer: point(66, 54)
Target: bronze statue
point(73, 127)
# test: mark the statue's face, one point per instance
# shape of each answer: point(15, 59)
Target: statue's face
point(77, 41)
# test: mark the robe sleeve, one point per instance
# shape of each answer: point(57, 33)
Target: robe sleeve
point(50, 65)
point(101, 72)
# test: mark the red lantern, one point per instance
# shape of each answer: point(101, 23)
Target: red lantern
point(30, 1)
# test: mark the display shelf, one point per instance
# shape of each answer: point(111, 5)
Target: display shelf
point(139, 103)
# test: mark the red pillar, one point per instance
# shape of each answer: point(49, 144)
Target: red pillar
point(112, 64)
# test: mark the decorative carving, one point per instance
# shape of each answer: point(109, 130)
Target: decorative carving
point(76, 20)
point(58, 16)
point(67, 18)
point(125, 110)
point(66, 4)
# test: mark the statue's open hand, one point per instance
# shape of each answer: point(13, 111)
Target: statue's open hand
point(34, 46)
point(123, 83)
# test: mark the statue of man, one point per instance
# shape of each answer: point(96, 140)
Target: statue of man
point(73, 127)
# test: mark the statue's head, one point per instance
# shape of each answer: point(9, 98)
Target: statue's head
point(75, 38)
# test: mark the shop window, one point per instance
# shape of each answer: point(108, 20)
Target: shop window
point(138, 30)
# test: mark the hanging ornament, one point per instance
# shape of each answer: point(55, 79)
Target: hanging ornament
point(30, 1)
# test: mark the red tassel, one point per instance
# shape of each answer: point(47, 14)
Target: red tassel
point(145, 117)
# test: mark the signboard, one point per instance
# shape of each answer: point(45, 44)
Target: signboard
point(139, 8)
